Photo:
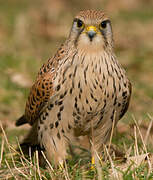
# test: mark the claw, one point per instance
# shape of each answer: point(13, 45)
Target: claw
point(61, 165)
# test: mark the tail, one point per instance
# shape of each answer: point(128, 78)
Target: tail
point(22, 120)
point(31, 142)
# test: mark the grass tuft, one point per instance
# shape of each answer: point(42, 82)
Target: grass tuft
point(135, 164)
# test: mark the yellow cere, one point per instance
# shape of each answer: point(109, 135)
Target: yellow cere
point(91, 28)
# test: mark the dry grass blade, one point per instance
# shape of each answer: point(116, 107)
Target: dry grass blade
point(95, 156)
point(136, 142)
point(50, 166)
point(149, 129)
point(10, 169)
point(4, 134)
point(22, 154)
point(37, 162)
point(112, 130)
point(114, 171)
point(2, 150)
point(9, 147)
point(22, 172)
point(98, 163)
point(11, 153)
point(145, 149)
point(24, 166)
point(30, 156)
point(66, 171)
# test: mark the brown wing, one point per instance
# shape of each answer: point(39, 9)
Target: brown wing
point(126, 105)
point(38, 97)
point(39, 94)
point(42, 89)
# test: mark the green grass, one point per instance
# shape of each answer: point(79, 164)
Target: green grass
point(135, 164)
point(142, 15)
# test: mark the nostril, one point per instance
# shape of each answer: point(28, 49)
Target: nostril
point(91, 34)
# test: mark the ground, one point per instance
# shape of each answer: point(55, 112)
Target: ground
point(30, 32)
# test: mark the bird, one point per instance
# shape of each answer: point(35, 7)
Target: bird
point(81, 91)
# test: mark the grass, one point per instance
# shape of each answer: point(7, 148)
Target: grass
point(30, 32)
point(135, 164)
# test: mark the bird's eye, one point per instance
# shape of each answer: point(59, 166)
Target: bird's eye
point(80, 24)
point(103, 24)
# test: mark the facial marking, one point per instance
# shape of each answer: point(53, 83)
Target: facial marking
point(92, 30)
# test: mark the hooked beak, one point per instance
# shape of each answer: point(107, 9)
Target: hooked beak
point(91, 32)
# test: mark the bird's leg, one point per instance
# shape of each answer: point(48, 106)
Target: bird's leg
point(94, 155)
point(98, 138)
point(55, 148)
point(95, 161)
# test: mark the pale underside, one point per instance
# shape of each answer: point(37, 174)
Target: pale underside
point(88, 97)
point(81, 91)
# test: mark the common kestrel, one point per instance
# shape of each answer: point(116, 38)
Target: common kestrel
point(79, 91)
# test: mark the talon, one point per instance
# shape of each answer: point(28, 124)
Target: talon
point(61, 165)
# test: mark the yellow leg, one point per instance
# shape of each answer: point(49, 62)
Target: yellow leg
point(61, 165)
point(93, 160)
point(92, 163)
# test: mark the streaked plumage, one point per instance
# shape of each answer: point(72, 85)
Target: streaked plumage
point(80, 90)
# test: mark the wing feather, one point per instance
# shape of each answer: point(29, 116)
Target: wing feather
point(42, 89)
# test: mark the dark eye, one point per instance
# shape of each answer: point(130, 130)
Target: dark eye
point(103, 24)
point(79, 23)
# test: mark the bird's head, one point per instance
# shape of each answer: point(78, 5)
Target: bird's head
point(91, 30)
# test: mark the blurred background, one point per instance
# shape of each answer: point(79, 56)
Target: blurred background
point(31, 32)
